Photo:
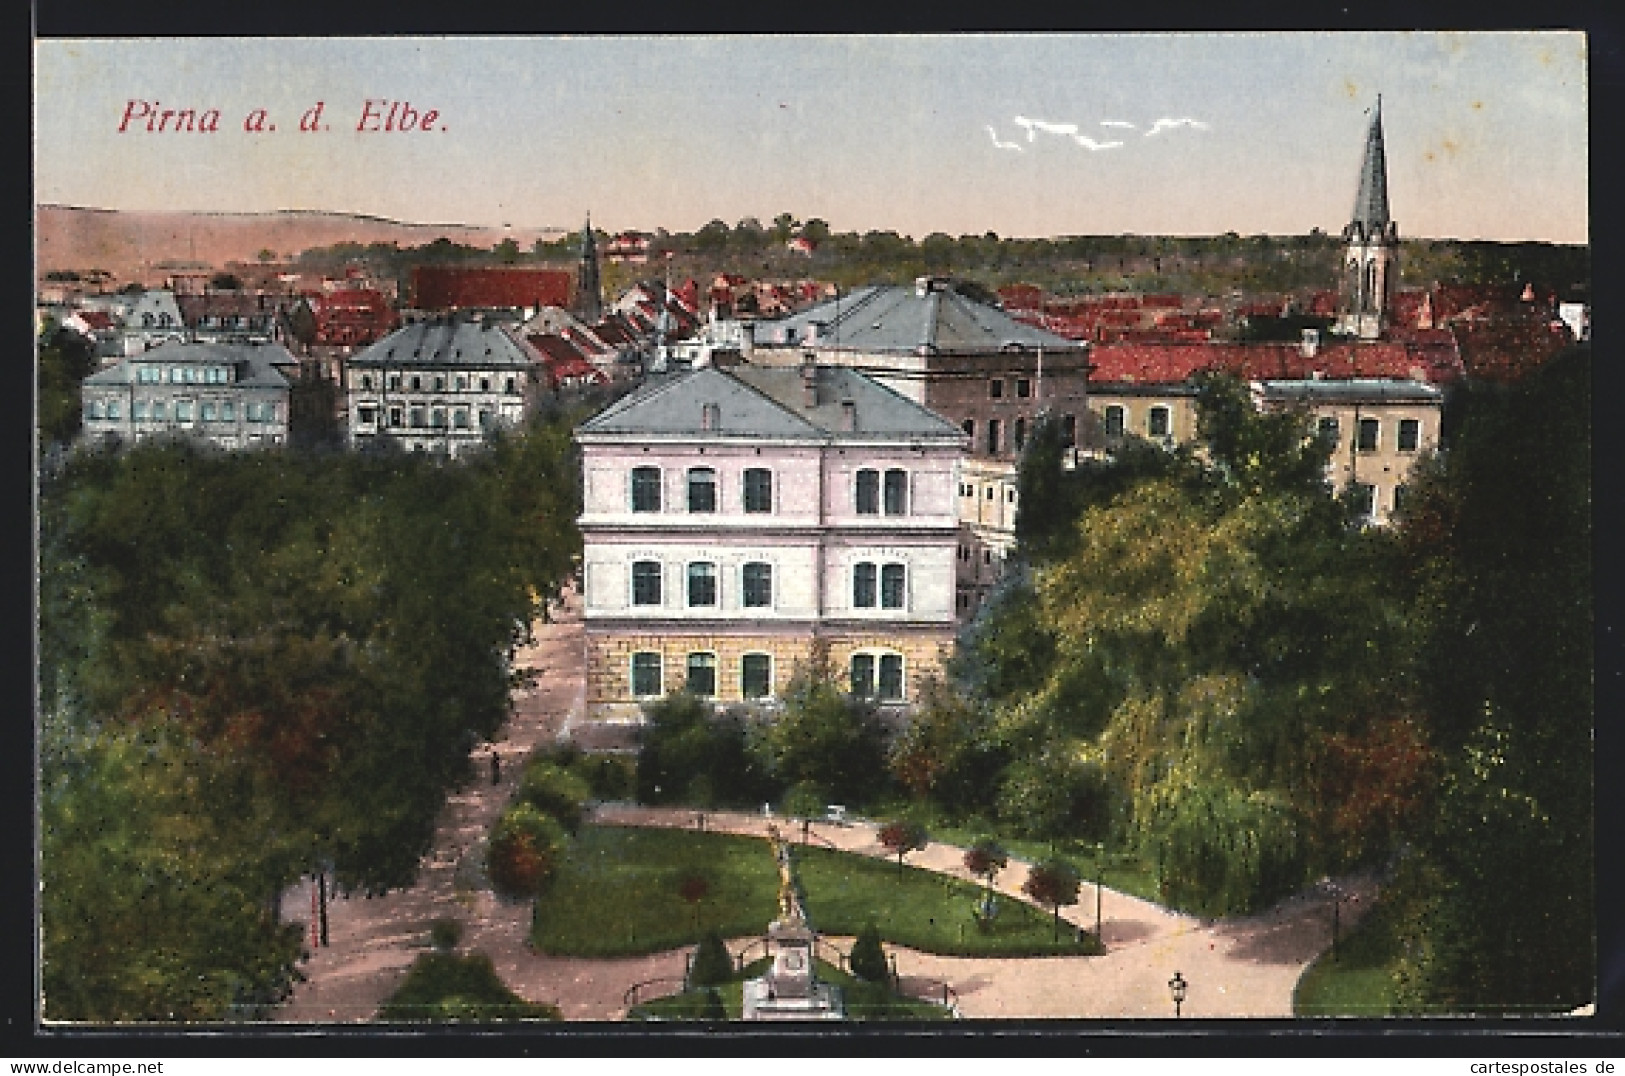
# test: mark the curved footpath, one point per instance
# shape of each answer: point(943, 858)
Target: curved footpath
point(1239, 967)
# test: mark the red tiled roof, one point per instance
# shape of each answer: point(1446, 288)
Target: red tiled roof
point(97, 320)
point(1174, 362)
point(438, 287)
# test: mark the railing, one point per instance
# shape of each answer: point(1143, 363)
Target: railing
point(638, 993)
point(934, 991)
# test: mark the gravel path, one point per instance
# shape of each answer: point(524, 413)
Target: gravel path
point(1242, 967)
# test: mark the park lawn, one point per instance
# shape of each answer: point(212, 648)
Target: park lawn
point(1360, 981)
point(617, 894)
point(861, 1000)
point(445, 987)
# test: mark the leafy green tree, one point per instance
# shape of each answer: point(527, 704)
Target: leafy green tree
point(868, 959)
point(711, 966)
point(828, 738)
point(65, 360)
point(948, 753)
point(985, 859)
point(524, 852)
point(690, 755)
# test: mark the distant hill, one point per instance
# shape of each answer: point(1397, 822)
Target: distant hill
point(140, 245)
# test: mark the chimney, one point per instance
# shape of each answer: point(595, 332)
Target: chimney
point(1311, 343)
point(809, 381)
point(849, 416)
point(710, 417)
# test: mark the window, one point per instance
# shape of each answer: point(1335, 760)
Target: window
point(462, 381)
point(868, 493)
point(437, 418)
point(189, 375)
point(485, 384)
point(1157, 422)
point(138, 410)
point(395, 382)
point(511, 387)
point(440, 382)
point(206, 411)
point(394, 416)
point(228, 412)
point(417, 383)
point(995, 388)
point(896, 492)
point(756, 676)
point(1328, 431)
point(366, 382)
point(702, 489)
point(93, 409)
point(645, 673)
point(367, 415)
point(758, 489)
point(863, 675)
point(1024, 388)
point(863, 586)
point(1399, 498)
point(1069, 430)
point(992, 436)
point(645, 582)
point(645, 486)
point(175, 375)
point(183, 410)
point(969, 426)
point(891, 677)
point(1410, 434)
point(158, 410)
point(1370, 430)
point(1115, 420)
point(1019, 432)
point(702, 583)
point(702, 675)
point(417, 416)
point(757, 585)
point(459, 418)
point(891, 586)
point(487, 420)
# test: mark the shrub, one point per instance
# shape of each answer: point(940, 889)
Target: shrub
point(525, 849)
point(868, 959)
point(610, 777)
point(445, 933)
point(688, 755)
point(712, 964)
point(556, 791)
point(713, 1008)
point(901, 836)
point(445, 987)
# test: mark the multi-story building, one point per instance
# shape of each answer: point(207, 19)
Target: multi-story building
point(1377, 430)
point(740, 520)
point(231, 395)
point(440, 385)
point(972, 363)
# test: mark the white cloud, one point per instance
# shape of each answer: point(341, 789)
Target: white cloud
point(1167, 124)
point(1002, 145)
point(1090, 144)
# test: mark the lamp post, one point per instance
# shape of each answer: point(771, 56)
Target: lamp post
point(1335, 892)
point(1100, 872)
point(1177, 986)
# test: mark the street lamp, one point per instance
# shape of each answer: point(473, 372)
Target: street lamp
point(1335, 892)
point(1176, 987)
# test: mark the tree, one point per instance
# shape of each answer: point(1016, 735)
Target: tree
point(1054, 884)
point(65, 360)
point(827, 738)
point(868, 959)
point(711, 966)
point(693, 888)
point(784, 226)
point(900, 837)
point(525, 848)
point(948, 753)
point(985, 859)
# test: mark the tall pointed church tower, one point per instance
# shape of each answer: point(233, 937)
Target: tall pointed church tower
point(589, 306)
point(1371, 257)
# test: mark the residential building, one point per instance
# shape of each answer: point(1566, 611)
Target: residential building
point(440, 385)
point(1376, 429)
point(986, 372)
point(230, 395)
point(231, 317)
point(739, 521)
point(441, 288)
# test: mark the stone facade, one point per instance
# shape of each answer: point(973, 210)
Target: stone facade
point(230, 395)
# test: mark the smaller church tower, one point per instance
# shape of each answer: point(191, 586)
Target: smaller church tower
point(589, 305)
point(1371, 257)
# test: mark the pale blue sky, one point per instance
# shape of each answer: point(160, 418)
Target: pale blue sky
point(1486, 132)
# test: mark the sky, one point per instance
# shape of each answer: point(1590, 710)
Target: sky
point(1019, 134)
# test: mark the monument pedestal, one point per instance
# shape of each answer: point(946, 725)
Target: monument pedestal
point(790, 990)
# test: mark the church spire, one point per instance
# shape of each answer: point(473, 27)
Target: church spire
point(589, 292)
point(1371, 203)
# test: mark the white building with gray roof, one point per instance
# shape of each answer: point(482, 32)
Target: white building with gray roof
point(231, 395)
point(738, 520)
point(440, 385)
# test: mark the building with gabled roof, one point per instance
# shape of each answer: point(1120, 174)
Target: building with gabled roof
point(441, 385)
point(738, 521)
point(446, 288)
point(233, 396)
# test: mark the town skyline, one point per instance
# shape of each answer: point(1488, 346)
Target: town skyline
point(1022, 135)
